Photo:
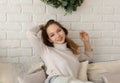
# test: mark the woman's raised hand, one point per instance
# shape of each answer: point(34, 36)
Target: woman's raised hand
point(84, 36)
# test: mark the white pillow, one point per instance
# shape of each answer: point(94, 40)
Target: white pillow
point(6, 75)
point(10, 71)
point(34, 75)
point(83, 71)
point(35, 67)
point(37, 77)
point(111, 78)
point(97, 70)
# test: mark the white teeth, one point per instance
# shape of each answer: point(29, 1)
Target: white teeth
point(60, 39)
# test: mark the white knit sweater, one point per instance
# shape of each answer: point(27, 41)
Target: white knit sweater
point(59, 59)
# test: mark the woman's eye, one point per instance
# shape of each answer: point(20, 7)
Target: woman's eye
point(52, 35)
point(59, 30)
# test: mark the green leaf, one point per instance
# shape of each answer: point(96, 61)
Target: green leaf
point(64, 3)
point(72, 1)
point(68, 5)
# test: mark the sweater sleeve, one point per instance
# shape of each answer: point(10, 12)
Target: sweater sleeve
point(86, 56)
point(36, 42)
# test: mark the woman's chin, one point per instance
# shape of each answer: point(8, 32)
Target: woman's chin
point(61, 42)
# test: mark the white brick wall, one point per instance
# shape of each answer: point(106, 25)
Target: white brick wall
point(100, 18)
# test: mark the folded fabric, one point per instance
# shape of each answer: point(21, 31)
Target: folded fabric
point(111, 78)
point(83, 71)
point(68, 79)
point(73, 80)
point(37, 77)
point(35, 74)
point(10, 71)
point(35, 67)
point(62, 79)
point(97, 70)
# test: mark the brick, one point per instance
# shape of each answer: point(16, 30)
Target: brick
point(84, 10)
point(116, 9)
point(78, 41)
point(102, 42)
point(17, 2)
point(111, 18)
point(117, 26)
point(25, 43)
point(117, 34)
point(93, 3)
point(81, 26)
point(9, 43)
point(43, 18)
point(2, 17)
point(3, 1)
point(107, 50)
point(19, 18)
point(104, 26)
point(67, 25)
point(91, 18)
point(103, 10)
point(9, 9)
point(95, 34)
point(2, 35)
point(31, 59)
point(73, 34)
point(9, 59)
point(69, 17)
point(26, 1)
point(16, 35)
point(40, 9)
point(28, 26)
point(102, 57)
point(116, 42)
point(52, 10)
point(38, 2)
point(19, 52)
point(108, 34)
point(115, 57)
point(3, 52)
point(10, 27)
point(111, 3)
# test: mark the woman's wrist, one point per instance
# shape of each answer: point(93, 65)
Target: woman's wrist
point(87, 46)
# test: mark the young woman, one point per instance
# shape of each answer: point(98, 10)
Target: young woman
point(59, 53)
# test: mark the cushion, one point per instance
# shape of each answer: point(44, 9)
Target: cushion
point(111, 78)
point(35, 67)
point(35, 74)
point(97, 70)
point(36, 77)
point(10, 71)
point(5, 73)
point(83, 71)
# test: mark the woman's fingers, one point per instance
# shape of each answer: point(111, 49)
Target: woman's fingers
point(84, 36)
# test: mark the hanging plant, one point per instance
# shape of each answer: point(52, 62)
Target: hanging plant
point(68, 5)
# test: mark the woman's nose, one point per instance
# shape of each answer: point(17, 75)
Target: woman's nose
point(57, 35)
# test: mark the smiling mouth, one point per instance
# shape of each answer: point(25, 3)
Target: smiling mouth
point(60, 39)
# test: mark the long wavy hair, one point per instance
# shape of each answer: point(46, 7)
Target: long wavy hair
point(70, 43)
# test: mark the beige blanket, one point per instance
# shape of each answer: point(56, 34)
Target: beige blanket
point(63, 79)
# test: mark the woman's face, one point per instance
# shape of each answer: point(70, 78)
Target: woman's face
point(56, 34)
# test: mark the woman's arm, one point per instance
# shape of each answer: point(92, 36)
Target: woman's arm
point(85, 38)
point(88, 55)
point(36, 42)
